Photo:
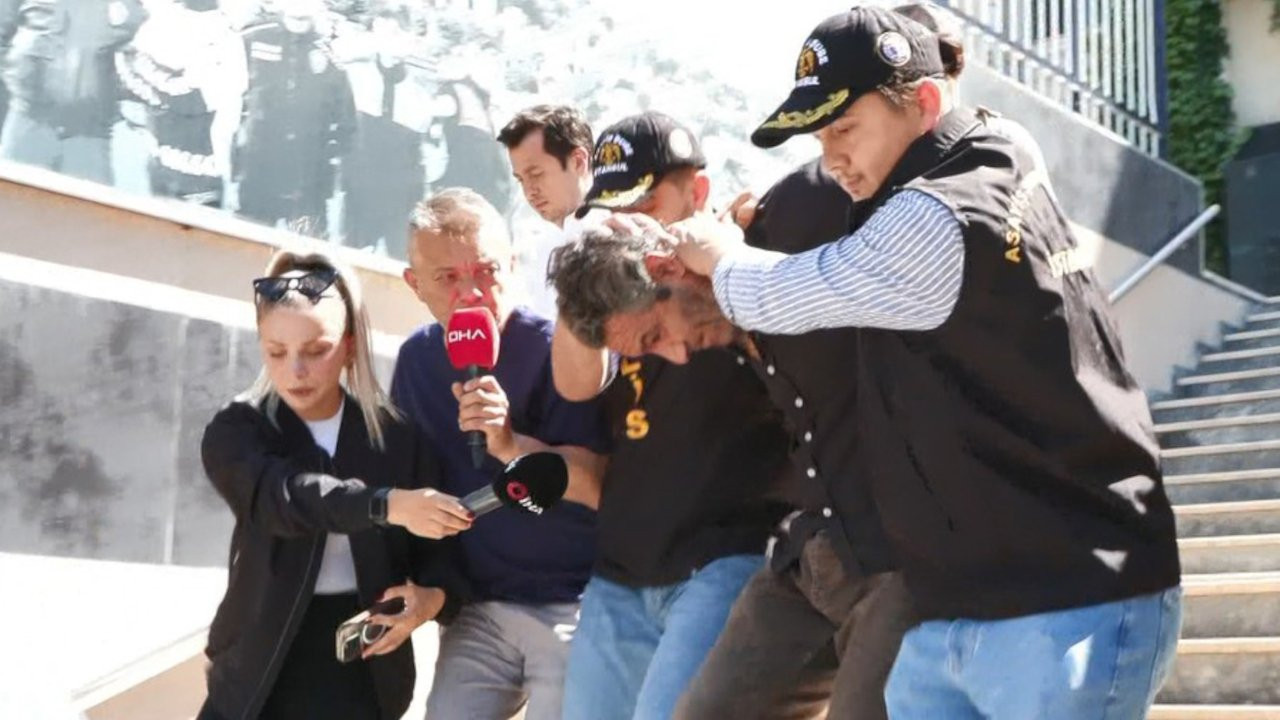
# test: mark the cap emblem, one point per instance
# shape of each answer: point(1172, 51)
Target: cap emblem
point(812, 56)
point(680, 144)
point(612, 154)
point(893, 48)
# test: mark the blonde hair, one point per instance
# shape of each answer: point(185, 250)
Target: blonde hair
point(359, 379)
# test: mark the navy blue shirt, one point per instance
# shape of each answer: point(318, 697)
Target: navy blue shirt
point(507, 555)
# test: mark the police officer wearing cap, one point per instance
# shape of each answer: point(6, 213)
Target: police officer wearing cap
point(696, 480)
point(187, 67)
point(1006, 447)
point(299, 120)
point(58, 62)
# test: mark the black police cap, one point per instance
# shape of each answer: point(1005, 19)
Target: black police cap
point(847, 56)
point(632, 156)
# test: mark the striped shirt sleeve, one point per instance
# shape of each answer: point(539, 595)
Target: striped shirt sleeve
point(902, 270)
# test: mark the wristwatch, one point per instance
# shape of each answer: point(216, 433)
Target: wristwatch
point(378, 506)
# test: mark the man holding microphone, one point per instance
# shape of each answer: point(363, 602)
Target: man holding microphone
point(1004, 443)
point(506, 646)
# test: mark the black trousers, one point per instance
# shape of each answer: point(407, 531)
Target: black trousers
point(312, 684)
point(802, 639)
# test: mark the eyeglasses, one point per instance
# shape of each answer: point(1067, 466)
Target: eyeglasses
point(312, 285)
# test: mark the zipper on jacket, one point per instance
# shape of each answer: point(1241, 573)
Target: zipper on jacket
point(290, 626)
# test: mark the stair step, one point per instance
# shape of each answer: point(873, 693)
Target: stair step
point(1223, 449)
point(1264, 316)
point(1225, 486)
point(1230, 554)
point(1231, 583)
point(1225, 670)
point(1232, 604)
point(1218, 646)
point(1228, 518)
point(1229, 428)
point(1216, 399)
point(1214, 712)
point(1234, 376)
point(1251, 353)
point(1209, 411)
point(1230, 457)
point(1252, 335)
point(1216, 423)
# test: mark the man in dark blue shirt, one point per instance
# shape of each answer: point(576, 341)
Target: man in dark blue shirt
point(509, 642)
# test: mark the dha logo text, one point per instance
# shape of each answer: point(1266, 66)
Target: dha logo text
point(460, 335)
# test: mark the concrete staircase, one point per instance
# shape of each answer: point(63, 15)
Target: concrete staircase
point(1221, 440)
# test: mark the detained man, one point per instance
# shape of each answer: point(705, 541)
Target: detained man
point(696, 481)
point(1004, 443)
point(808, 635)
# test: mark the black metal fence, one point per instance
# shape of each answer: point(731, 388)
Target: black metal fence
point(1102, 59)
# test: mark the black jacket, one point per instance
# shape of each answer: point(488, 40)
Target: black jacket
point(251, 453)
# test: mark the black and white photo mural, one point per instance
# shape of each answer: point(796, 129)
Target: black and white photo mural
point(335, 116)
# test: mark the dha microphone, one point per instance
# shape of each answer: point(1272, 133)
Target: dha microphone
point(472, 343)
point(531, 483)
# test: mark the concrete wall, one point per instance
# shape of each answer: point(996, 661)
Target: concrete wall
point(1104, 185)
point(102, 403)
point(106, 384)
point(121, 333)
point(1251, 65)
point(1166, 319)
point(47, 216)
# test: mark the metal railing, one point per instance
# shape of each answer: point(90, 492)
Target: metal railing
point(1101, 59)
point(1163, 254)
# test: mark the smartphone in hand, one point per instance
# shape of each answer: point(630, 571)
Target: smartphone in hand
point(357, 633)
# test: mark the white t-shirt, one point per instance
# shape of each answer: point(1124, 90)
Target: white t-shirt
point(541, 237)
point(337, 567)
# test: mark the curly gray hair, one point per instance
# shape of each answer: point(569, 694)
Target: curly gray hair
point(600, 275)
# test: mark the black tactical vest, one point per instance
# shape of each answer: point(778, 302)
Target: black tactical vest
point(1010, 452)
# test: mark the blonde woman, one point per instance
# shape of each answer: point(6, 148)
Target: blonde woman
point(324, 479)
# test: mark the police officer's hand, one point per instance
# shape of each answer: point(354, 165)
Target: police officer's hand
point(702, 240)
point(637, 224)
point(483, 406)
point(742, 210)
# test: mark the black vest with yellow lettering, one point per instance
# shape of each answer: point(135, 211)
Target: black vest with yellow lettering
point(1011, 452)
point(698, 472)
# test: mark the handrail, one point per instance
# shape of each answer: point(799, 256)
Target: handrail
point(1170, 248)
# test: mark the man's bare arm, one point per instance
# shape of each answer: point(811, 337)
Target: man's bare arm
point(580, 372)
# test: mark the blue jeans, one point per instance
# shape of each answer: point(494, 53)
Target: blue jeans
point(1102, 662)
point(636, 649)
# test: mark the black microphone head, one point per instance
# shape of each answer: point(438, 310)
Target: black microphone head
point(533, 482)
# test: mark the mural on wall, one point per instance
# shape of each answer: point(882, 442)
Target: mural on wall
point(335, 116)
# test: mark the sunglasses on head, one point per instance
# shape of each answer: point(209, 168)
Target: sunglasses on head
point(312, 285)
